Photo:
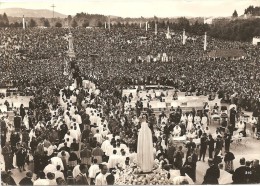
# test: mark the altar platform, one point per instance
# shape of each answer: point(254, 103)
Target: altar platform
point(161, 99)
point(16, 100)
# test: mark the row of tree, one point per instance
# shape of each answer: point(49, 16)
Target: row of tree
point(254, 11)
point(236, 30)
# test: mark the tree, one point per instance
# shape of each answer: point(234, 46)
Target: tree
point(85, 24)
point(74, 23)
point(5, 19)
point(69, 19)
point(183, 23)
point(100, 24)
point(58, 24)
point(46, 23)
point(235, 15)
point(32, 23)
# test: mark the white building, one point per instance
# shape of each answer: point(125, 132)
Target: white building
point(256, 40)
point(208, 20)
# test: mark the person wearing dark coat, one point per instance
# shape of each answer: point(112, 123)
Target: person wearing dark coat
point(240, 174)
point(63, 130)
point(190, 168)
point(190, 146)
point(227, 139)
point(179, 155)
point(21, 155)
point(31, 104)
point(170, 153)
point(233, 117)
point(256, 171)
point(27, 180)
point(212, 174)
point(203, 146)
point(17, 122)
point(219, 143)
point(7, 179)
point(211, 144)
point(8, 156)
point(22, 111)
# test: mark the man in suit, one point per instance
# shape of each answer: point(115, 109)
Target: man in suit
point(212, 173)
point(203, 146)
point(190, 146)
point(27, 180)
point(8, 156)
point(211, 143)
point(194, 158)
point(17, 122)
point(240, 175)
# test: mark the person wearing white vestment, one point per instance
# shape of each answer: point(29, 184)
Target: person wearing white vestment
point(105, 146)
point(113, 160)
point(184, 118)
point(98, 136)
point(177, 131)
point(204, 120)
point(57, 161)
point(77, 117)
point(58, 173)
point(76, 171)
point(49, 168)
point(50, 149)
point(197, 119)
point(74, 133)
point(145, 158)
point(240, 126)
point(93, 170)
point(101, 177)
point(190, 124)
point(64, 154)
point(32, 134)
point(207, 131)
point(26, 122)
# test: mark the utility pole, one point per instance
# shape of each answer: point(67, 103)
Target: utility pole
point(53, 6)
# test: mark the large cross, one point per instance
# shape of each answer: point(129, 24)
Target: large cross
point(53, 6)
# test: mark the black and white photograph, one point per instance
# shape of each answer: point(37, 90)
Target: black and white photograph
point(130, 92)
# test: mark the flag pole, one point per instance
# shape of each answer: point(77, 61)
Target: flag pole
point(205, 41)
point(183, 37)
point(155, 28)
point(109, 23)
point(23, 22)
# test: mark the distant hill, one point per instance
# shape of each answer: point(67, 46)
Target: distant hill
point(19, 12)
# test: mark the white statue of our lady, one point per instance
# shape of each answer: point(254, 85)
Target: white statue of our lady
point(145, 157)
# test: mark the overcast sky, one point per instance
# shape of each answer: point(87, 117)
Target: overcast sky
point(138, 8)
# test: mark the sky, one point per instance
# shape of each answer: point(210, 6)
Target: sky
point(138, 8)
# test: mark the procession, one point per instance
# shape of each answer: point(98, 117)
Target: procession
point(114, 106)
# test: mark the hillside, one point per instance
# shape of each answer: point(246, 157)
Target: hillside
point(19, 12)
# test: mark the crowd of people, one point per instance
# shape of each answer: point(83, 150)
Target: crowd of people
point(126, 57)
point(80, 132)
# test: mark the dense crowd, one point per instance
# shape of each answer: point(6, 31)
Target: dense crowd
point(85, 133)
point(127, 57)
